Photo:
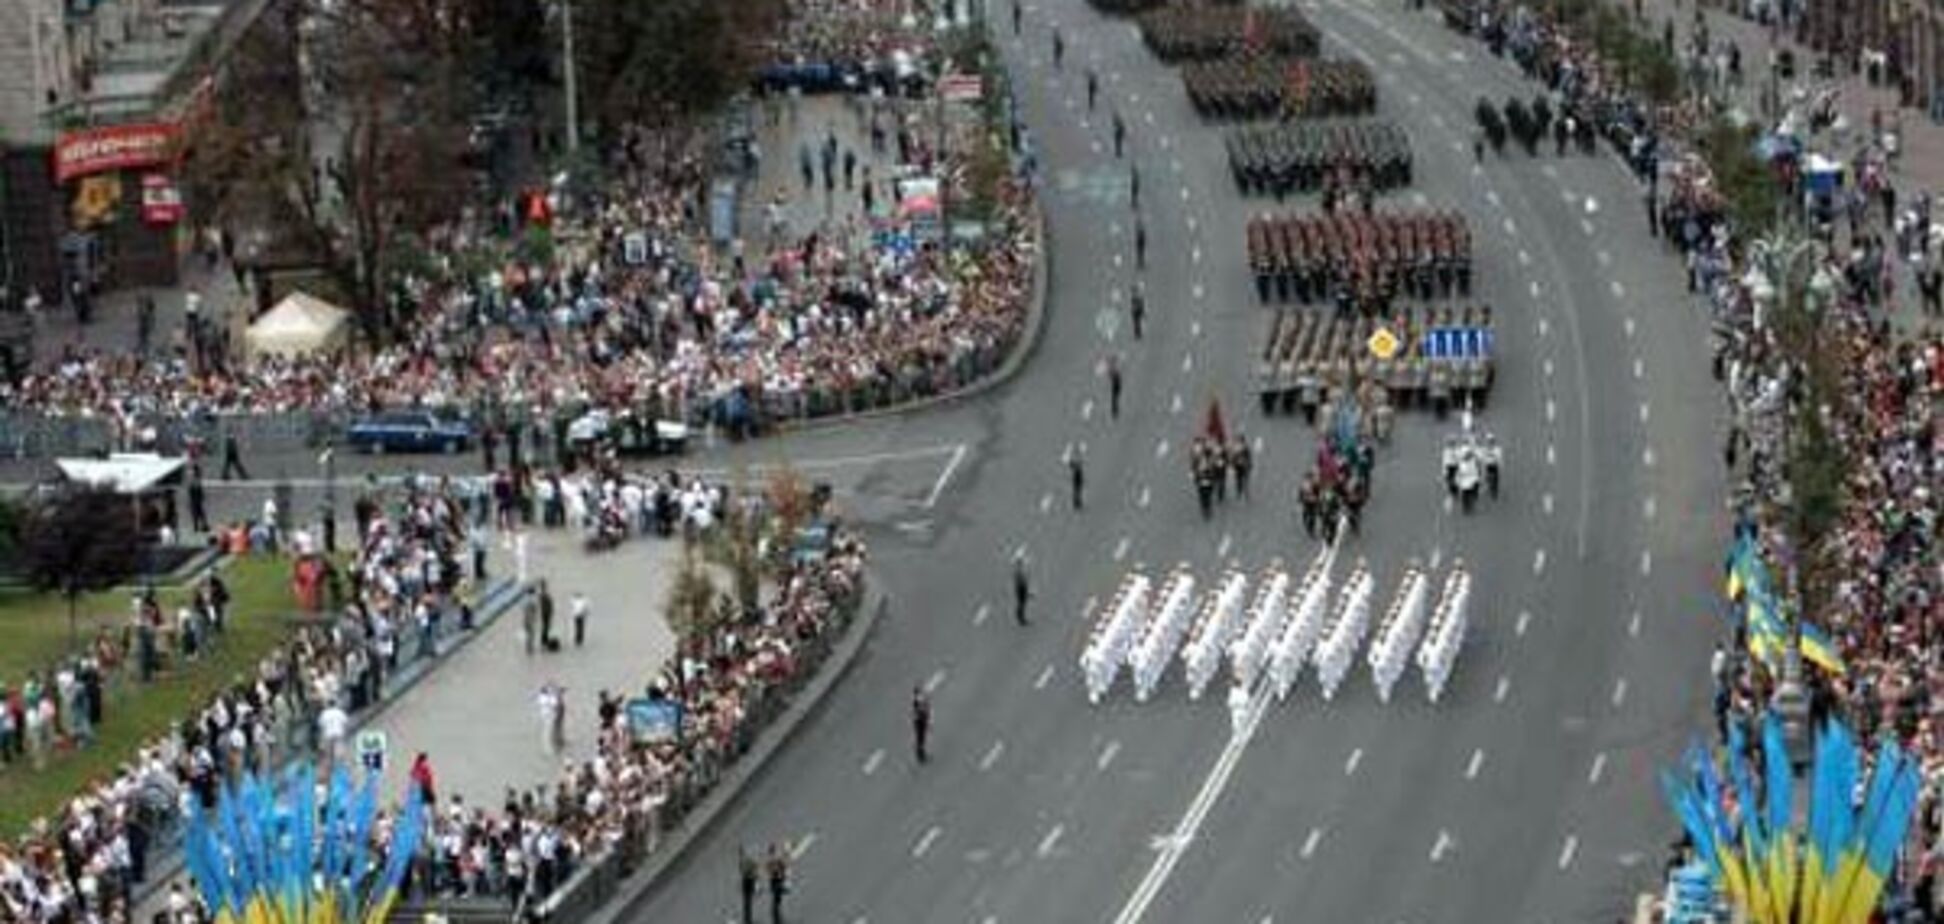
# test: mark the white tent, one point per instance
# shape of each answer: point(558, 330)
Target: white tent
point(299, 324)
point(122, 472)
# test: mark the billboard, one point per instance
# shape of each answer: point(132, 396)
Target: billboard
point(114, 147)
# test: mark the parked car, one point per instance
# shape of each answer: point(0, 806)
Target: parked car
point(627, 433)
point(409, 431)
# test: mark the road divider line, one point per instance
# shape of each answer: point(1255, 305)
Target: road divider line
point(1441, 846)
point(936, 680)
point(1050, 841)
point(981, 614)
point(1567, 852)
point(1045, 677)
point(925, 843)
point(1356, 759)
point(992, 756)
point(871, 763)
point(1597, 770)
point(1107, 755)
point(1619, 692)
point(1477, 761)
point(1504, 687)
point(1633, 625)
point(1525, 618)
point(1309, 843)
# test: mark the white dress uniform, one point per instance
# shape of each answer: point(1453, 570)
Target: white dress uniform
point(1403, 624)
point(1220, 615)
point(1157, 645)
point(1298, 640)
point(1447, 633)
point(1339, 648)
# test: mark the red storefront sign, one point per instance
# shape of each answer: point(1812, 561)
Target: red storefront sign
point(114, 147)
point(161, 201)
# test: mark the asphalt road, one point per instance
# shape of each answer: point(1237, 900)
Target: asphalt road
point(1526, 795)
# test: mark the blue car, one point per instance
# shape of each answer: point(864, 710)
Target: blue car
point(409, 431)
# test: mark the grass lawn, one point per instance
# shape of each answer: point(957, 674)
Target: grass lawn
point(34, 635)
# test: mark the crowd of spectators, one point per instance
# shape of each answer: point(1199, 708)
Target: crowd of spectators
point(398, 595)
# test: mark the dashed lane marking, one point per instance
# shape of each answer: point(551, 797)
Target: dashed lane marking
point(1548, 366)
point(936, 680)
point(1050, 842)
point(1567, 852)
point(1198, 291)
point(1222, 548)
point(1511, 227)
point(1086, 409)
point(1525, 619)
point(1598, 769)
point(983, 613)
point(1194, 253)
point(1633, 625)
point(1492, 196)
point(1145, 496)
point(1174, 404)
point(1120, 548)
point(1161, 449)
point(871, 763)
point(1586, 226)
point(1646, 563)
point(1441, 846)
point(1350, 766)
point(1552, 410)
point(1309, 843)
point(1533, 287)
point(1639, 369)
point(1645, 412)
point(1477, 761)
point(1538, 562)
point(1552, 458)
point(1606, 259)
point(802, 845)
point(1619, 692)
point(1618, 290)
point(1647, 457)
point(1546, 503)
point(1525, 259)
point(1545, 327)
point(1188, 362)
point(1628, 325)
point(1107, 755)
point(1649, 507)
point(1045, 677)
point(992, 756)
point(925, 843)
point(1046, 502)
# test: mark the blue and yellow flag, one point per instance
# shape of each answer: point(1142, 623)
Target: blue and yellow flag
point(1820, 650)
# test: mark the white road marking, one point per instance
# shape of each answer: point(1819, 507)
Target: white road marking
point(1538, 562)
point(1633, 625)
point(1222, 548)
point(1546, 502)
point(1510, 227)
point(1046, 502)
point(1606, 259)
point(925, 843)
point(1552, 458)
point(1619, 692)
point(1309, 843)
point(1646, 563)
point(1504, 687)
point(1188, 362)
point(1120, 548)
point(1629, 325)
point(1437, 555)
point(1548, 365)
point(1492, 196)
point(1592, 206)
point(1174, 404)
point(1533, 287)
point(984, 612)
point(1639, 369)
point(1415, 99)
point(1551, 172)
point(1599, 769)
point(1477, 761)
point(1645, 412)
point(1587, 227)
point(1618, 290)
point(1552, 410)
point(1175, 163)
point(1525, 259)
point(1441, 846)
point(1161, 449)
point(1544, 327)
point(1191, 224)
point(1150, 121)
point(1184, 194)
point(1107, 755)
point(1649, 507)
point(871, 763)
point(936, 680)
point(938, 487)
point(1086, 409)
point(802, 846)
point(1647, 457)
point(1146, 495)
point(1350, 766)
point(1525, 618)
point(1194, 253)
point(992, 756)
point(1050, 841)
point(1198, 291)
point(1566, 853)
point(1118, 261)
point(1045, 677)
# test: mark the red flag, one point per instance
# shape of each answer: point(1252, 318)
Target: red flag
point(1214, 428)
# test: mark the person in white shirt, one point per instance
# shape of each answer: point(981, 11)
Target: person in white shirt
point(579, 609)
point(332, 725)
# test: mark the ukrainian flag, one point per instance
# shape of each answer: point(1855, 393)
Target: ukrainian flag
point(1818, 649)
point(1885, 836)
point(1766, 638)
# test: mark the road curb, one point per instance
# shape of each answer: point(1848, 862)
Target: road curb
point(637, 887)
point(1028, 345)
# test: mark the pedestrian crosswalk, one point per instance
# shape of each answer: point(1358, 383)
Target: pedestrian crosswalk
point(1268, 638)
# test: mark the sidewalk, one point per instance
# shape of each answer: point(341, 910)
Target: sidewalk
point(114, 325)
point(478, 719)
point(1920, 164)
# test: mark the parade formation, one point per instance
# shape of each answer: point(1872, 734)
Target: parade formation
point(1183, 33)
point(1360, 261)
point(1339, 157)
point(1433, 357)
point(1255, 86)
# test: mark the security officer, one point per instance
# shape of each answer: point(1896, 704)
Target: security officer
point(779, 881)
point(1120, 135)
point(1140, 242)
point(1022, 589)
point(1093, 89)
point(750, 873)
point(1241, 461)
point(1137, 307)
point(1059, 49)
point(1077, 471)
point(1114, 385)
point(920, 722)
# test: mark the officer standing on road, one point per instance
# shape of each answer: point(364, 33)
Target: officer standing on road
point(920, 722)
point(1137, 307)
point(1120, 135)
point(1022, 590)
point(1018, 14)
point(746, 864)
point(1134, 185)
point(198, 502)
point(1113, 387)
point(779, 879)
point(1241, 461)
point(1059, 49)
point(1077, 470)
point(1140, 242)
point(233, 459)
point(1093, 89)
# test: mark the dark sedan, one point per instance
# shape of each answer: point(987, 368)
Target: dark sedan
point(409, 431)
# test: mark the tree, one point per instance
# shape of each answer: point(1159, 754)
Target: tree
point(691, 606)
point(655, 63)
point(340, 126)
point(80, 540)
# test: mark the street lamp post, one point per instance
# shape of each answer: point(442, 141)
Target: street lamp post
point(569, 75)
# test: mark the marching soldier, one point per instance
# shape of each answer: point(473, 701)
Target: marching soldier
point(1241, 461)
point(1203, 473)
point(1218, 466)
point(750, 873)
point(779, 881)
